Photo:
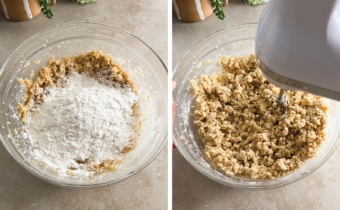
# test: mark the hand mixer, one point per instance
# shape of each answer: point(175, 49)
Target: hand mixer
point(298, 46)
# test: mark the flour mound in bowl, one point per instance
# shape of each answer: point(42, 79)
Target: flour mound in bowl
point(240, 137)
point(81, 114)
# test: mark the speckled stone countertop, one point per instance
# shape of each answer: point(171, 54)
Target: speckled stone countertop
point(192, 190)
point(145, 190)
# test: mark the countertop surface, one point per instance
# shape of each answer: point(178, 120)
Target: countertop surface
point(146, 189)
point(192, 190)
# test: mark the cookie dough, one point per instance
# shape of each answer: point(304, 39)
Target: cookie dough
point(241, 137)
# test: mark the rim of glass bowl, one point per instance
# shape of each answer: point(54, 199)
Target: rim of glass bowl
point(90, 185)
point(192, 162)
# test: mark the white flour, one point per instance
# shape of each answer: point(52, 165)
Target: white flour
point(85, 120)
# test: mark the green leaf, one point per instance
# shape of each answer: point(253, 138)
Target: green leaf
point(48, 12)
point(44, 9)
point(255, 2)
point(216, 4)
point(84, 2)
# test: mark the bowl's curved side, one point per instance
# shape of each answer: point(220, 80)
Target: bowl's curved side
point(136, 57)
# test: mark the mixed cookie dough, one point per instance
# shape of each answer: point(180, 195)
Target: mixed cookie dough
point(241, 137)
point(81, 114)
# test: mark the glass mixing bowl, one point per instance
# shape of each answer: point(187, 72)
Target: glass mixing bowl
point(139, 60)
point(234, 41)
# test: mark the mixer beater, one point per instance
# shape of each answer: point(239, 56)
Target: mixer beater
point(279, 102)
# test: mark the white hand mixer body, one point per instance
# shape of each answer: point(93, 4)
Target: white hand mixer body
point(298, 46)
